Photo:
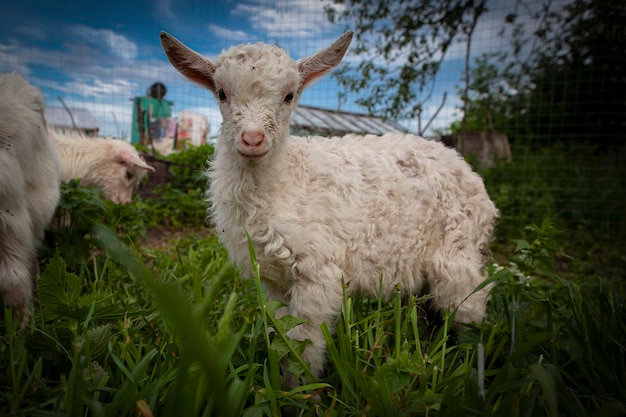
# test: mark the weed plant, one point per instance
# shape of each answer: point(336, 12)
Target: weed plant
point(578, 187)
point(181, 201)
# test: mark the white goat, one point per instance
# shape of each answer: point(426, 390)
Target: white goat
point(113, 165)
point(29, 188)
point(321, 211)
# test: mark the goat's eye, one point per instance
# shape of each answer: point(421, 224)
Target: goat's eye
point(289, 98)
point(221, 94)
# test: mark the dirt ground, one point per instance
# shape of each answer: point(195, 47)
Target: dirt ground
point(163, 236)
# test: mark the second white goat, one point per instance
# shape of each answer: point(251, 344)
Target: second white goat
point(111, 164)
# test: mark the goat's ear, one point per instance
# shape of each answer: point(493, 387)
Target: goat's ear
point(324, 61)
point(188, 62)
point(140, 163)
point(124, 156)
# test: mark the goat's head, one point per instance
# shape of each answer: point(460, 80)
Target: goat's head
point(257, 87)
point(119, 172)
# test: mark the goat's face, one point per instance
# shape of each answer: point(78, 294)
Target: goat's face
point(119, 172)
point(257, 87)
point(119, 186)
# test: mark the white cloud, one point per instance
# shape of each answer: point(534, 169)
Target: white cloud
point(231, 35)
point(82, 68)
point(11, 60)
point(113, 115)
point(115, 44)
point(286, 19)
point(106, 67)
point(88, 87)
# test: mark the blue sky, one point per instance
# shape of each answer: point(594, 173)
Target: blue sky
point(98, 55)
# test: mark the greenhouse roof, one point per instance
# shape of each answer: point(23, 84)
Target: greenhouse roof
point(313, 120)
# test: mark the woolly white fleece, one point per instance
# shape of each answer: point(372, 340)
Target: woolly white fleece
point(29, 188)
point(111, 164)
point(323, 211)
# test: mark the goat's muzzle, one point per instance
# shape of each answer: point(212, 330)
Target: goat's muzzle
point(252, 144)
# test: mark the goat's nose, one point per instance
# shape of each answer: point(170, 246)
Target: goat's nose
point(252, 138)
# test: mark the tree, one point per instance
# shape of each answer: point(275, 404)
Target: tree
point(578, 79)
point(402, 44)
point(563, 77)
point(488, 96)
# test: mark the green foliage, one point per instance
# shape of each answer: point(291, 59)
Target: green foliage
point(548, 325)
point(561, 78)
point(178, 208)
point(206, 354)
point(566, 89)
point(133, 330)
point(570, 68)
point(402, 48)
point(489, 95)
point(188, 167)
point(78, 210)
point(575, 188)
point(180, 201)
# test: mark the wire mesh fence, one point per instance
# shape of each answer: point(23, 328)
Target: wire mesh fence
point(549, 75)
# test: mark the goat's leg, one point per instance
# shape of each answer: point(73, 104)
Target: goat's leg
point(318, 299)
point(17, 261)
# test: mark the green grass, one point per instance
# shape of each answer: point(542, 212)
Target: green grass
point(186, 336)
point(120, 329)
